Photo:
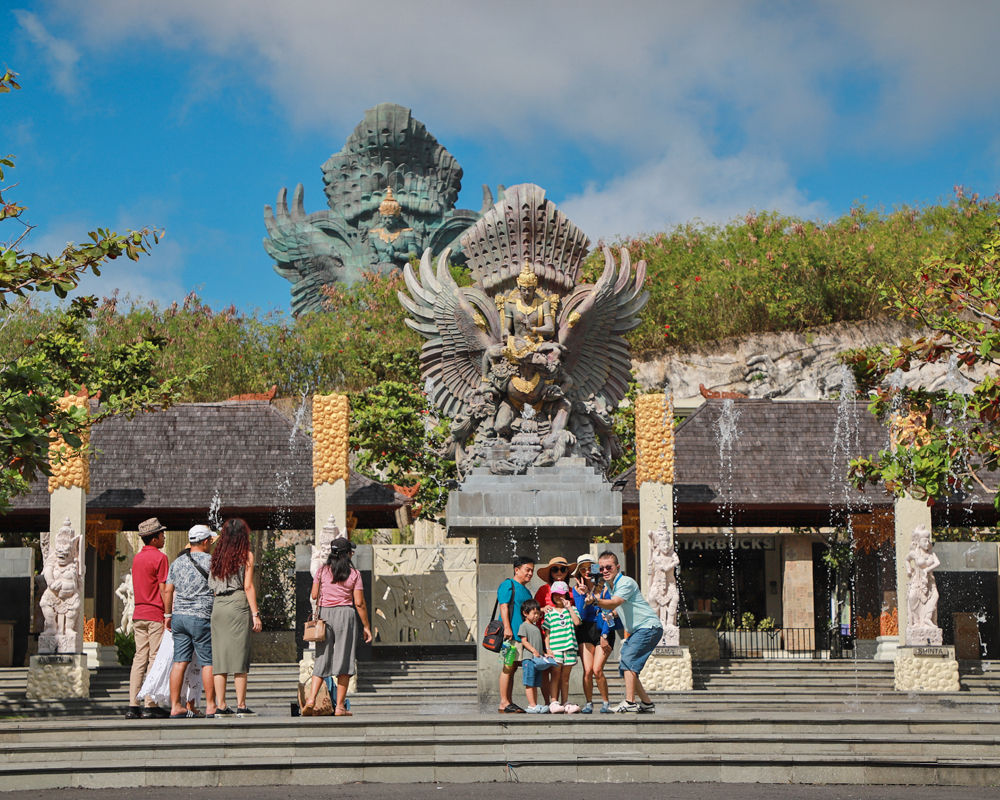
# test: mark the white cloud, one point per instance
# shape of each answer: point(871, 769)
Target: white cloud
point(687, 183)
point(62, 56)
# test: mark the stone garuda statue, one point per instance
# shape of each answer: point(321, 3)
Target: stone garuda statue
point(391, 193)
point(62, 600)
point(529, 364)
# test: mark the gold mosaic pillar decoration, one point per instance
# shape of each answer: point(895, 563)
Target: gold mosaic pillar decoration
point(331, 472)
point(654, 472)
point(70, 468)
point(654, 439)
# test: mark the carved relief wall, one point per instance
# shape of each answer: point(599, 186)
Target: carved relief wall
point(424, 594)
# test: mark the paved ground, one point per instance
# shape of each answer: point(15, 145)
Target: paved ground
point(528, 791)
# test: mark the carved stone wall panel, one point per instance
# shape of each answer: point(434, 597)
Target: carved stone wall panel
point(425, 594)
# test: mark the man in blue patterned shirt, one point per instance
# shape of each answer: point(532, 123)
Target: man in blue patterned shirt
point(188, 603)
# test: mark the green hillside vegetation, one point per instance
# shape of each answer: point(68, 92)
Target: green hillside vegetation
point(766, 272)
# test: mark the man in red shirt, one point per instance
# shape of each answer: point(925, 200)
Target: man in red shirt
point(149, 579)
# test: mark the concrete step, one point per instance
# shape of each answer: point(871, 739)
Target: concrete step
point(929, 749)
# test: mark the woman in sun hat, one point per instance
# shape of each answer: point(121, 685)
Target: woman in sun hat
point(596, 638)
point(558, 569)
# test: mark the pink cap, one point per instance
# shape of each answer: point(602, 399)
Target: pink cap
point(560, 587)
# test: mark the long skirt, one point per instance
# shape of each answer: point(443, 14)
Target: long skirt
point(157, 683)
point(232, 624)
point(335, 656)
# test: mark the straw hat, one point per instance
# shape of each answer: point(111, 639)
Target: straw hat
point(543, 573)
point(150, 526)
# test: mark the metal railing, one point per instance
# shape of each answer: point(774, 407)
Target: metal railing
point(785, 643)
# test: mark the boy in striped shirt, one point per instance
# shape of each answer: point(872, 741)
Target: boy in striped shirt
point(559, 627)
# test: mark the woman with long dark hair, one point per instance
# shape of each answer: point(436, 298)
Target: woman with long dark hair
point(234, 613)
point(337, 587)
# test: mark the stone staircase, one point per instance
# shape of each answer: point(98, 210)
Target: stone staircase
point(929, 748)
point(449, 687)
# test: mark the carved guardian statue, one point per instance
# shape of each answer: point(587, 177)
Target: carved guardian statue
point(63, 597)
point(529, 363)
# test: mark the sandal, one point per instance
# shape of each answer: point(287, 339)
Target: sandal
point(512, 709)
point(309, 709)
point(342, 712)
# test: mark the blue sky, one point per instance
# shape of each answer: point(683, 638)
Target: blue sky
point(190, 115)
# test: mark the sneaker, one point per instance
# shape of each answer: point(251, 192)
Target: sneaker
point(245, 712)
point(625, 707)
point(555, 708)
point(535, 709)
point(606, 708)
point(571, 708)
point(587, 709)
point(543, 709)
point(224, 712)
point(647, 708)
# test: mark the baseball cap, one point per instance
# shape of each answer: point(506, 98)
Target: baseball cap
point(199, 533)
point(560, 587)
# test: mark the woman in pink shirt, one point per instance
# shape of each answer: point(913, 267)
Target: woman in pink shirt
point(337, 587)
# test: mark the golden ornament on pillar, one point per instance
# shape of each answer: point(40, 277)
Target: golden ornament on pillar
point(330, 419)
point(102, 534)
point(889, 623)
point(910, 430)
point(630, 530)
point(69, 466)
point(654, 440)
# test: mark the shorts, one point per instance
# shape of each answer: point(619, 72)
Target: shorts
point(590, 633)
point(637, 649)
point(532, 669)
point(192, 635)
point(566, 657)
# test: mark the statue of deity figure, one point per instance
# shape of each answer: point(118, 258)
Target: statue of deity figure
point(321, 550)
point(921, 590)
point(63, 571)
point(126, 594)
point(389, 243)
point(663, 594)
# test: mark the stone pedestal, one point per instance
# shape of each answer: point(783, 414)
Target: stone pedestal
point(926, 669)
point(100, 655)
point(549, 511)
point(923, 637)
point(58, 677)
point(886, 648)
point(668, 670)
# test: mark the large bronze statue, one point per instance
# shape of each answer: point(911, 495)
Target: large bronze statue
point(529, 365)
point(391, 191)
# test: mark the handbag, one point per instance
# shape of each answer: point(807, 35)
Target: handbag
point(493, 636)
point(315, 630)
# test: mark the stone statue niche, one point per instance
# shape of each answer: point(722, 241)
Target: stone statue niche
point(921, 590)
point(663, 593)
point(61, 602)
point(391, 193)
point(529, 363)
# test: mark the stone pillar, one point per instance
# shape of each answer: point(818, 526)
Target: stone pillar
point(797, 592)
point(331, 420)
point(654, 471)
point(60, 670)
point(670, 665)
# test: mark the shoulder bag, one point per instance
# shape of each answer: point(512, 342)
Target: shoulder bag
point(315, 628)
point(493, 636)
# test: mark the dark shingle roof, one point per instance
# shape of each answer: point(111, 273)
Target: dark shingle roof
point(173, 464)
point(786, 465)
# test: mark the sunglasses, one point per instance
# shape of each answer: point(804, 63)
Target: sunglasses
point(607, 567)
point(558, 569)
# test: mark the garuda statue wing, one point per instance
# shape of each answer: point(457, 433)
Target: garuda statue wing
point(591, 327)
point(310, 250)
point(459, 323)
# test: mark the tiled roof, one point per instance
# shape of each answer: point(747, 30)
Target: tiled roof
point(244, 456)
point(786, 464)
